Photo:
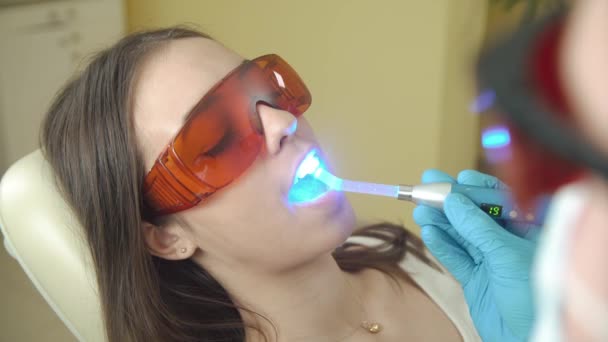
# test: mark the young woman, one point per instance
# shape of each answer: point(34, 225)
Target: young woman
point(181, 160)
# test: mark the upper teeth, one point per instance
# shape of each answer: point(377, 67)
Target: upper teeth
point(308, 165)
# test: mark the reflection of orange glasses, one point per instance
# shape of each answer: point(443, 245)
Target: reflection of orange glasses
point(223, 134)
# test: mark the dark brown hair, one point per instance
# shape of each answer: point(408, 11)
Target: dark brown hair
point(88, 138)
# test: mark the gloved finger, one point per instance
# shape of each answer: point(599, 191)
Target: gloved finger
point(479, 229)
point(449, 253)
point(433, 175)
point(476, 178)
point(427, 216)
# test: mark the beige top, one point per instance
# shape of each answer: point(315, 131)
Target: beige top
point(443, 289)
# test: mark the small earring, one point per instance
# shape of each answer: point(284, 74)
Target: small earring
point(183, 250)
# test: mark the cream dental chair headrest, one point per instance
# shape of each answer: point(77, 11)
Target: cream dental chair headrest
point(41, 232)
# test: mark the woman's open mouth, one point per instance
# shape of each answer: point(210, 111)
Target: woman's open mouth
point(306, 187)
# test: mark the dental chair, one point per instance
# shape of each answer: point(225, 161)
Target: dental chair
point(42, 234)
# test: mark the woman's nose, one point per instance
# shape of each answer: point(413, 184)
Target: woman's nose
point(278, 124)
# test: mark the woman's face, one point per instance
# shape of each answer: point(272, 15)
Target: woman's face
point(250, 222)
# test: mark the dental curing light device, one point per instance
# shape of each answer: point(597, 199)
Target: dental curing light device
point(494, 202)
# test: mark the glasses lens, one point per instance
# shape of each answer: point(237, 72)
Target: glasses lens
point(288, 91)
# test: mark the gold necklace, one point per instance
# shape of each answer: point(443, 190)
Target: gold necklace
point(372, 327)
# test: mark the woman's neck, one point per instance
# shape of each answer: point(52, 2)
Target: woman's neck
point(316, 301)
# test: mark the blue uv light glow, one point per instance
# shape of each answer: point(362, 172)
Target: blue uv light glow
point(495, 137)
point(305, 186)
point(330, 180)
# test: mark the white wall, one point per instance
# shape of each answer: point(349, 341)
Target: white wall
point(41, 46)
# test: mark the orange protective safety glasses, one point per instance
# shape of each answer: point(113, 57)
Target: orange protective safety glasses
point(223, 135)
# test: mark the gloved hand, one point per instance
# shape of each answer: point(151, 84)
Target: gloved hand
point(492, 264)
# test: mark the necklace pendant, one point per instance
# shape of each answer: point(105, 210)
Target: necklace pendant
point(371, 327)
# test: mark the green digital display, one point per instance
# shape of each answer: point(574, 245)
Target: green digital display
point(494, 210)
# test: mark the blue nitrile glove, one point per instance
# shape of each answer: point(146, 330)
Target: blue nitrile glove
point(491, 264)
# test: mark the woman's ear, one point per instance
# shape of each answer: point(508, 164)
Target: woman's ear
point(169, 242)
